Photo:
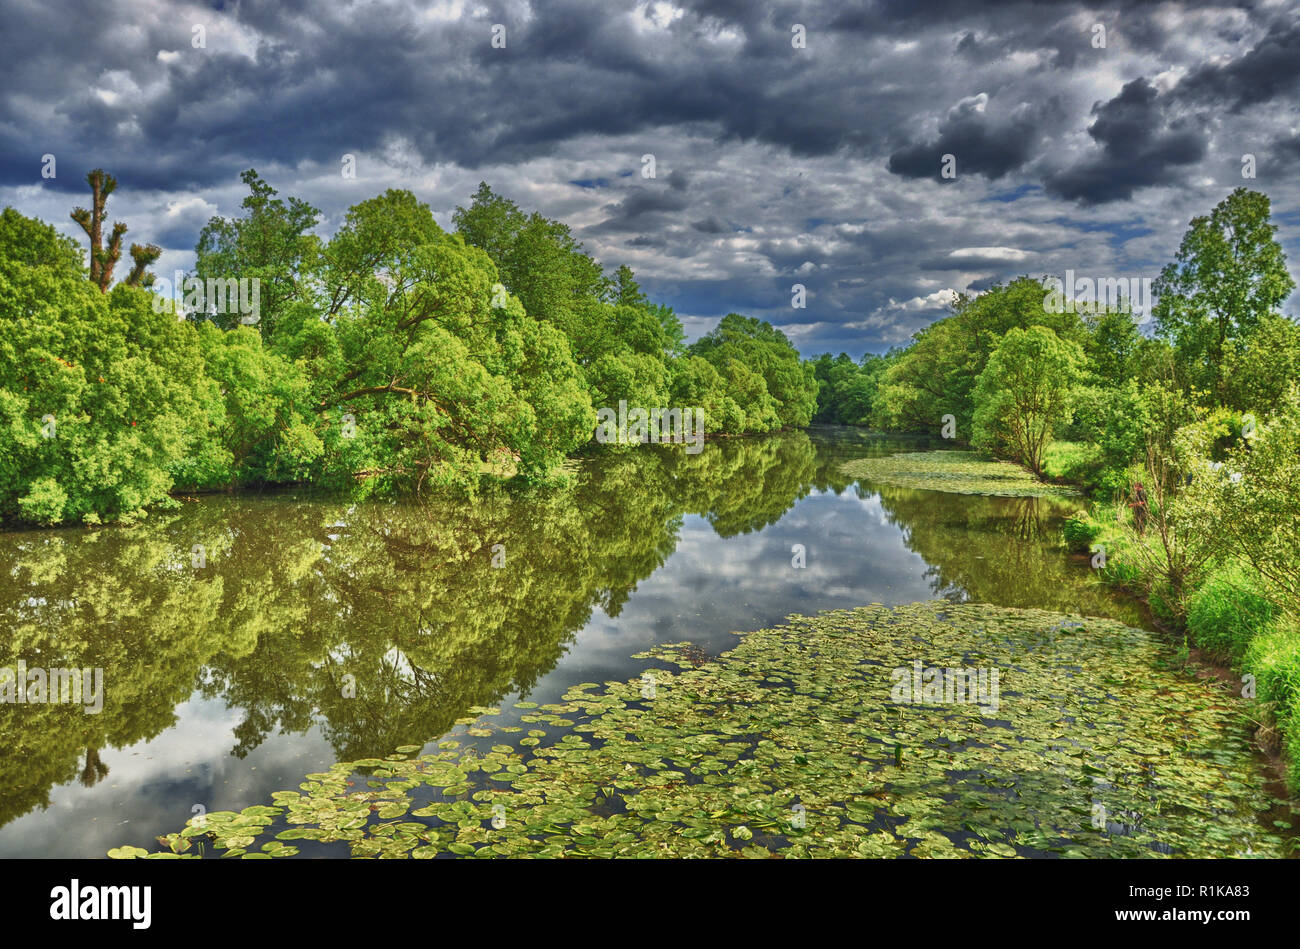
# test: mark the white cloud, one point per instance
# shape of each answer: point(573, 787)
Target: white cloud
point(1009, 254)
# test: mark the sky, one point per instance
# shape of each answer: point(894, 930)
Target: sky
point(792, 142)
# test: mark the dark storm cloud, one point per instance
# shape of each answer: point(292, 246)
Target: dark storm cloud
point(1288, 149)
point(1140, 147)
point(979, 144)
point(1151, 138)
point(647, 205)
point(1269, 71)
point(312, 81)
point(709, 226)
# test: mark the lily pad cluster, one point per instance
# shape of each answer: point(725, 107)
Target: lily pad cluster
point(792, 745)
point(958, 472)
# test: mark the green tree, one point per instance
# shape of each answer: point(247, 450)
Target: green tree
point(697, 384)
point(97, 391)
point(271, 243)
point(766, 352)
point(538, 259)
point(430, 374)
point(1230, 272)
point(259, 424)
point(1259, 373)
point(937, 374)
point(1112, 345)
point(1024, 393)
point(1249, 503)
point(847, 390)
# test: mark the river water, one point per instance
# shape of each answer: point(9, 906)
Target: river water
point(248, 641)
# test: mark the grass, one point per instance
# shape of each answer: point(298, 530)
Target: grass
point(1082, 463)
point(1070, 460)
point(1273, 658)
point(1227, 612)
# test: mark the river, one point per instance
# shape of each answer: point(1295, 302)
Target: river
point(247, 641)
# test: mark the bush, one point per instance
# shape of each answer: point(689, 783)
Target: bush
point(257, 426)
point(1080, 532)
point(97, 391)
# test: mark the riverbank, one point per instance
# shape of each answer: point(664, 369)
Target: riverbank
point(1225, 615)
point(1241, 635)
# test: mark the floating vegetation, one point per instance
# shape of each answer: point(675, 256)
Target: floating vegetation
point(796, 743)
point(958, 472)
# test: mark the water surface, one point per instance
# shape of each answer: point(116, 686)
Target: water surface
point(320, 630)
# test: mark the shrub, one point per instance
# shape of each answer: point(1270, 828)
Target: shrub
point(96, 390)
point(1227, 612)
point(1080, 532)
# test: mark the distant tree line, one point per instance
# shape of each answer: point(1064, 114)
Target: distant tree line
point(1077, 390)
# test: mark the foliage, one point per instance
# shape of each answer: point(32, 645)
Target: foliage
point(1262, 370)
point(1227, 612)
point(628, 348)
point(1273, 657)
point(1229, 274)
point(1249, 503)
point(430, 378)
point(272, 243)
point(98, 393)
point(1075, 462)
point(393, 355)
point(937, 375)
point(1080, 532)
point(260, 425)
point(847, 390)
point(764, 371)
point(1025, 393)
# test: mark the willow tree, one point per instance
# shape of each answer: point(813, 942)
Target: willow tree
point(429, 368)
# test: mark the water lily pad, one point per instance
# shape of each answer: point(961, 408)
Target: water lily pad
point(957, 472)
point(815, 712)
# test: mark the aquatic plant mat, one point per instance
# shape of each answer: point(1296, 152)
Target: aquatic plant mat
point(958, 472)
point(798, 743)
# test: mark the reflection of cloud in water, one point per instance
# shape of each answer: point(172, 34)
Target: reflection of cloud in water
point(159, 781)
point(712, 586)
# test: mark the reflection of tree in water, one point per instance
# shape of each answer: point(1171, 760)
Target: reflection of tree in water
point(745, 484)
point(95, 769)
point(300, 592)
point(995, 550)
point(1036, 519)
point(122, 600)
